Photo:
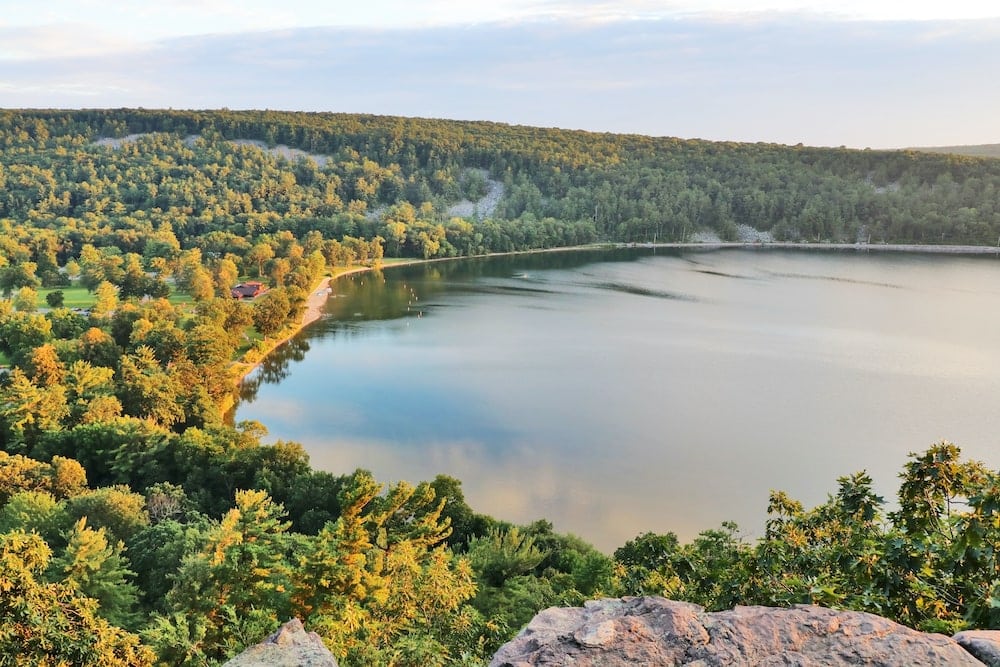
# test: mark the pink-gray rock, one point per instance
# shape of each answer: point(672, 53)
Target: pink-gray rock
point(290, 646)
point(984, 644)
point(654, 631)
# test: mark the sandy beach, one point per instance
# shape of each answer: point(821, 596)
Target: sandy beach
point(315, 303)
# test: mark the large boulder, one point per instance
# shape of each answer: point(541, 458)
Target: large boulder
point(654, 631)
point(984, 644)
point(290, 646)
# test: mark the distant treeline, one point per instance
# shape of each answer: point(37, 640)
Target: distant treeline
point(395, 178)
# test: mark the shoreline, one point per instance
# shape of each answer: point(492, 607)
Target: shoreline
point(945, 249)
point(321, 291)
point(313, 311)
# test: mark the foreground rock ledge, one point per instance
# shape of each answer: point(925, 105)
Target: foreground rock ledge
point(290, 646)
point(654, 631)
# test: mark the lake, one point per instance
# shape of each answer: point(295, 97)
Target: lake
point(618, 392)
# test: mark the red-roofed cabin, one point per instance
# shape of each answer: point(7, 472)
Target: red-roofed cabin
point(247, 290)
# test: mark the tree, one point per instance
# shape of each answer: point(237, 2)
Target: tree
point(116, 509)
point(15, 276)
point(503, 553)
point(97, 569)
point(645, 560)
point(22, 332)
point(146, 390)
point(35, 512)
point(55, 298)
point(98, 348)
point(270, 311)
point(84, 383)
point(65, 324)
point(44, 366)
point(51, 624)
point(279, 270)
point(134, 282)
point(240, 582)
point(26, 410)
point(106, 299)
point(380, 574)
point(225, 274)
point(259, 254)
point(464, 522)
point(199, 284)
point(62, 477)
point(158, 551)
point(26, 300)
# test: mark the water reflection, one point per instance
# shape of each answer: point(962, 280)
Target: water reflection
point(554, 386)
point(274, 368)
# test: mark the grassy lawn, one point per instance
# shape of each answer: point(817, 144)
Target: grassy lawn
point(73, 297)
point(181, 299)
point(245, 344)
point(78, 297)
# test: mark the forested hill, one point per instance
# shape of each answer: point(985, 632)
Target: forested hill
point(399, 177)
point(975, 150)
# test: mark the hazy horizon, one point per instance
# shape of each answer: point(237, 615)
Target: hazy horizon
point(780, 71)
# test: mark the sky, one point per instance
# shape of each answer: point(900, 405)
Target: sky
point(873, 73)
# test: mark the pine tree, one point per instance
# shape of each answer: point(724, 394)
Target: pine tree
point(52, 624)
point(97, 569)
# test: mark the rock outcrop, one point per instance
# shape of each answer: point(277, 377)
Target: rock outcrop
point(984, 644)
point(290, 646)
point(653, 631)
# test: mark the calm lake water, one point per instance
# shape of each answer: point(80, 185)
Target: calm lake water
point(618, 392)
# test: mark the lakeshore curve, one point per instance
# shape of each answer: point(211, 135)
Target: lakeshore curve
point(320, 293)
point(315, 303)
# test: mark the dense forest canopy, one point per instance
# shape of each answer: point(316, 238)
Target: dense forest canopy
point(136, 526)
point(396, 177)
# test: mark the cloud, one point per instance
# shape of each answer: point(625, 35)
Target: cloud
point(60, 41)
point(819, 82)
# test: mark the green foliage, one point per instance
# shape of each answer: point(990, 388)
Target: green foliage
point(465, 523)
point(61, 478)
point(97, 569)
point(36, 512)
point(26, 300)
point(503, 553)
point(116, 509)
point(379, 574)
point(52, 624)
point(55, 298)
point(147, 390)
point(242, 568)
point(642, 560)
point(27, 410)
point(157, 552)
point(373, 577)
point(931, 565)
point(271, 311)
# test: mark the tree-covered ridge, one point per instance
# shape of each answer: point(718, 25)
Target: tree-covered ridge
point(602, 186)
point(975, 150)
